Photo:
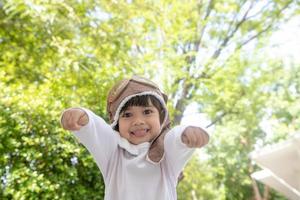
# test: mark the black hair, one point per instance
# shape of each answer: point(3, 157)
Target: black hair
point(144, 100)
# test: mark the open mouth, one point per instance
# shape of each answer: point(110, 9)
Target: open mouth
point(140, 132)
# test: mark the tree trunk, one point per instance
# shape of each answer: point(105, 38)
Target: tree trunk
point(181, 103)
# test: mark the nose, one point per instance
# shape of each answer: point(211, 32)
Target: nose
point(138, 121)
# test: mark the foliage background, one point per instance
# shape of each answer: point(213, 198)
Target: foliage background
point(62, 53)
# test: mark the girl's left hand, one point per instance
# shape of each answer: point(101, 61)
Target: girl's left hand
point(194, 137)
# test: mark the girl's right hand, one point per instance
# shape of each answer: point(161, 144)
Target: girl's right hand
point(73, 119)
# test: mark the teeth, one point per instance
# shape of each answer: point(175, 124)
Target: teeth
point(141, 132)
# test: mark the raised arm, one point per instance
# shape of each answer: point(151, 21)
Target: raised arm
point(94, 133)
point(180, 143)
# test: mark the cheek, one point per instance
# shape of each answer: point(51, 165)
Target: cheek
point(157, 125)
point(122, 127)
point(122, 123)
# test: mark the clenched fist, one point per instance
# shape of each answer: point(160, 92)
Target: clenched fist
point(194, 137)
point(73, 119)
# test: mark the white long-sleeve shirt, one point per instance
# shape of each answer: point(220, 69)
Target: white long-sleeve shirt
point(127, 171)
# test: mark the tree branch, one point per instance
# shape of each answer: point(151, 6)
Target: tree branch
point(217, 53)
point(180, 105)
point(264, 30)
point(254, 36)
point(208, 11)
point(217, 119)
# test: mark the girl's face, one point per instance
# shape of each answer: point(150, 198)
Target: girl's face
point(139, 124)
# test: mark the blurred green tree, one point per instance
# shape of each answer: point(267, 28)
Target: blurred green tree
point(68, 53)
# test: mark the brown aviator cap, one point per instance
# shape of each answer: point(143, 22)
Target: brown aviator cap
point(124, 90)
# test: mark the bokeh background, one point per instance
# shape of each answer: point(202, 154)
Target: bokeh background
point(236, 62)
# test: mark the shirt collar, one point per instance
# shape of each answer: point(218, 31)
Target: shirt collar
point(132, 148)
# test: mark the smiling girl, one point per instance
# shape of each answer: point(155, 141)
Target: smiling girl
point(138, 154)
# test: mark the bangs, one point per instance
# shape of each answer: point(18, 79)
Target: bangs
point(144, 100)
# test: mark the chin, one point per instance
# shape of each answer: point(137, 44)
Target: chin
point(138, 142)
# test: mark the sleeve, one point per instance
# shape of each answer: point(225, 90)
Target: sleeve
point(99, 138)
point(176, 152)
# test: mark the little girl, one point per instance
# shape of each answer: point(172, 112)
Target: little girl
point(139, 156)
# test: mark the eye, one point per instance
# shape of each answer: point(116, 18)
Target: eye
point(148, 111)
point(126, 115)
